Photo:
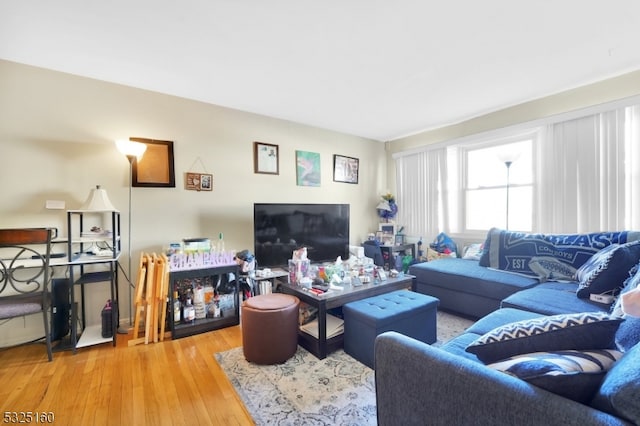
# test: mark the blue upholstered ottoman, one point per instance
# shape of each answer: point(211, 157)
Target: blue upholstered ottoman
point(409, 313)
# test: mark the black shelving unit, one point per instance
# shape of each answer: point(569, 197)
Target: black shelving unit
point(80, 262)
point(191, 277)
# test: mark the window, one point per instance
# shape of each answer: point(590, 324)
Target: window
point(490, 184)
point(572, 174)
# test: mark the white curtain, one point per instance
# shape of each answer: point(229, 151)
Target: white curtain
point(422, 192)
point(632, 167)
point(582, 179)
point(587, 179)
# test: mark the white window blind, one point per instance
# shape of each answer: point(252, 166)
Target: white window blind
point(586, 179)
point(422, 188)
point(583, 177)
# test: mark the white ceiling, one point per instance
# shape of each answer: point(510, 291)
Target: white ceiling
point(373, 68)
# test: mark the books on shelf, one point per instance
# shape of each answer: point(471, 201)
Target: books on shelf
point(335, 326)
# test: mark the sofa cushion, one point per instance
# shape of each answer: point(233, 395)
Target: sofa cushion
point(548, 300)
point(572, 374)
point(628, 334)
point(499, 318)
point(546, 256)
point(457, 346)
point(605, 272)
point(467, 276)
point(588, 330)
point(620, 390)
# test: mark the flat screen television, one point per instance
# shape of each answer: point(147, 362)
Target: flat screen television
point(279, 229)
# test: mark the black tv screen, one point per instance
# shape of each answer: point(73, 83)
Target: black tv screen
point(279, 229)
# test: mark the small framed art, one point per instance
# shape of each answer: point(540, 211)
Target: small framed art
point(307, 168)
point(387, 228)
point(345, 169)
point(199, 181)
point(265, 158)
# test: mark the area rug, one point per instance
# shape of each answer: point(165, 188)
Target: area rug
point(450, 326)
point(337, 390)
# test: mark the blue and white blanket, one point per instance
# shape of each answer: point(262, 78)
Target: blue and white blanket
point(546, 256)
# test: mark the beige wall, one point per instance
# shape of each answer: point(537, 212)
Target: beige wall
point(613, 89)
point(57, 134)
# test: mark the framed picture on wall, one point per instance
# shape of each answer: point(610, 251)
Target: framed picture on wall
point(307, 168)
point(345, 169)
point(155, 168)
point(265, 158)
point(199, 181)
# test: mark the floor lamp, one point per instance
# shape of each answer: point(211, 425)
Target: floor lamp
point(508, 158)
point(132, 150)
point(508, 164)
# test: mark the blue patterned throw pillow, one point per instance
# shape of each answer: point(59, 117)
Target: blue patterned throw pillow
point(588, 330)
point(573, 374)
point(605, 272)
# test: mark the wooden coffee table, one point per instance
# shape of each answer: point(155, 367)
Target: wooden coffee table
point(321, 346)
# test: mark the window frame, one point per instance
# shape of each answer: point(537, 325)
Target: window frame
point(463, 150)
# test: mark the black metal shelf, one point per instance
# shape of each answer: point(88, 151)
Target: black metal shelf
point(203, 325)
point(78, 260)
point(230, 317)
point(94, 277)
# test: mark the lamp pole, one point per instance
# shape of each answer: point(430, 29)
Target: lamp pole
point(132, 150)
point(120, 329)
point(508, 164)
point(130, 158)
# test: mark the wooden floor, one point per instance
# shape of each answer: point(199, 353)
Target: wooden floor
point(175, 382)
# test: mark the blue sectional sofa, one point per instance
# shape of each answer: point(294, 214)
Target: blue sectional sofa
point(417, 384)
point(528, 270)
point(542, 352)
point(465, 287)
point(468, 289)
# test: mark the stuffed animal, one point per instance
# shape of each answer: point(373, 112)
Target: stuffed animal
point(246, 260)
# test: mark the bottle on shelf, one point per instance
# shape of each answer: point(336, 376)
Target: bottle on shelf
point(216, 309)
point(189, 310)
point(183, 307)
point(198, 302)
point(220, 244)
point(177, 307)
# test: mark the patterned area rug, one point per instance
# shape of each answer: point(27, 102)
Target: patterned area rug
point(337, 390)
point(450, 326)
point(305, 390)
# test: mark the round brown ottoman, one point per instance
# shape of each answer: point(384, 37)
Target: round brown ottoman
point(270, 328)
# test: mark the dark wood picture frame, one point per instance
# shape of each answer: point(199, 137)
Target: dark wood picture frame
point(345, 169)
point(266, 158)
point(155, 168)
